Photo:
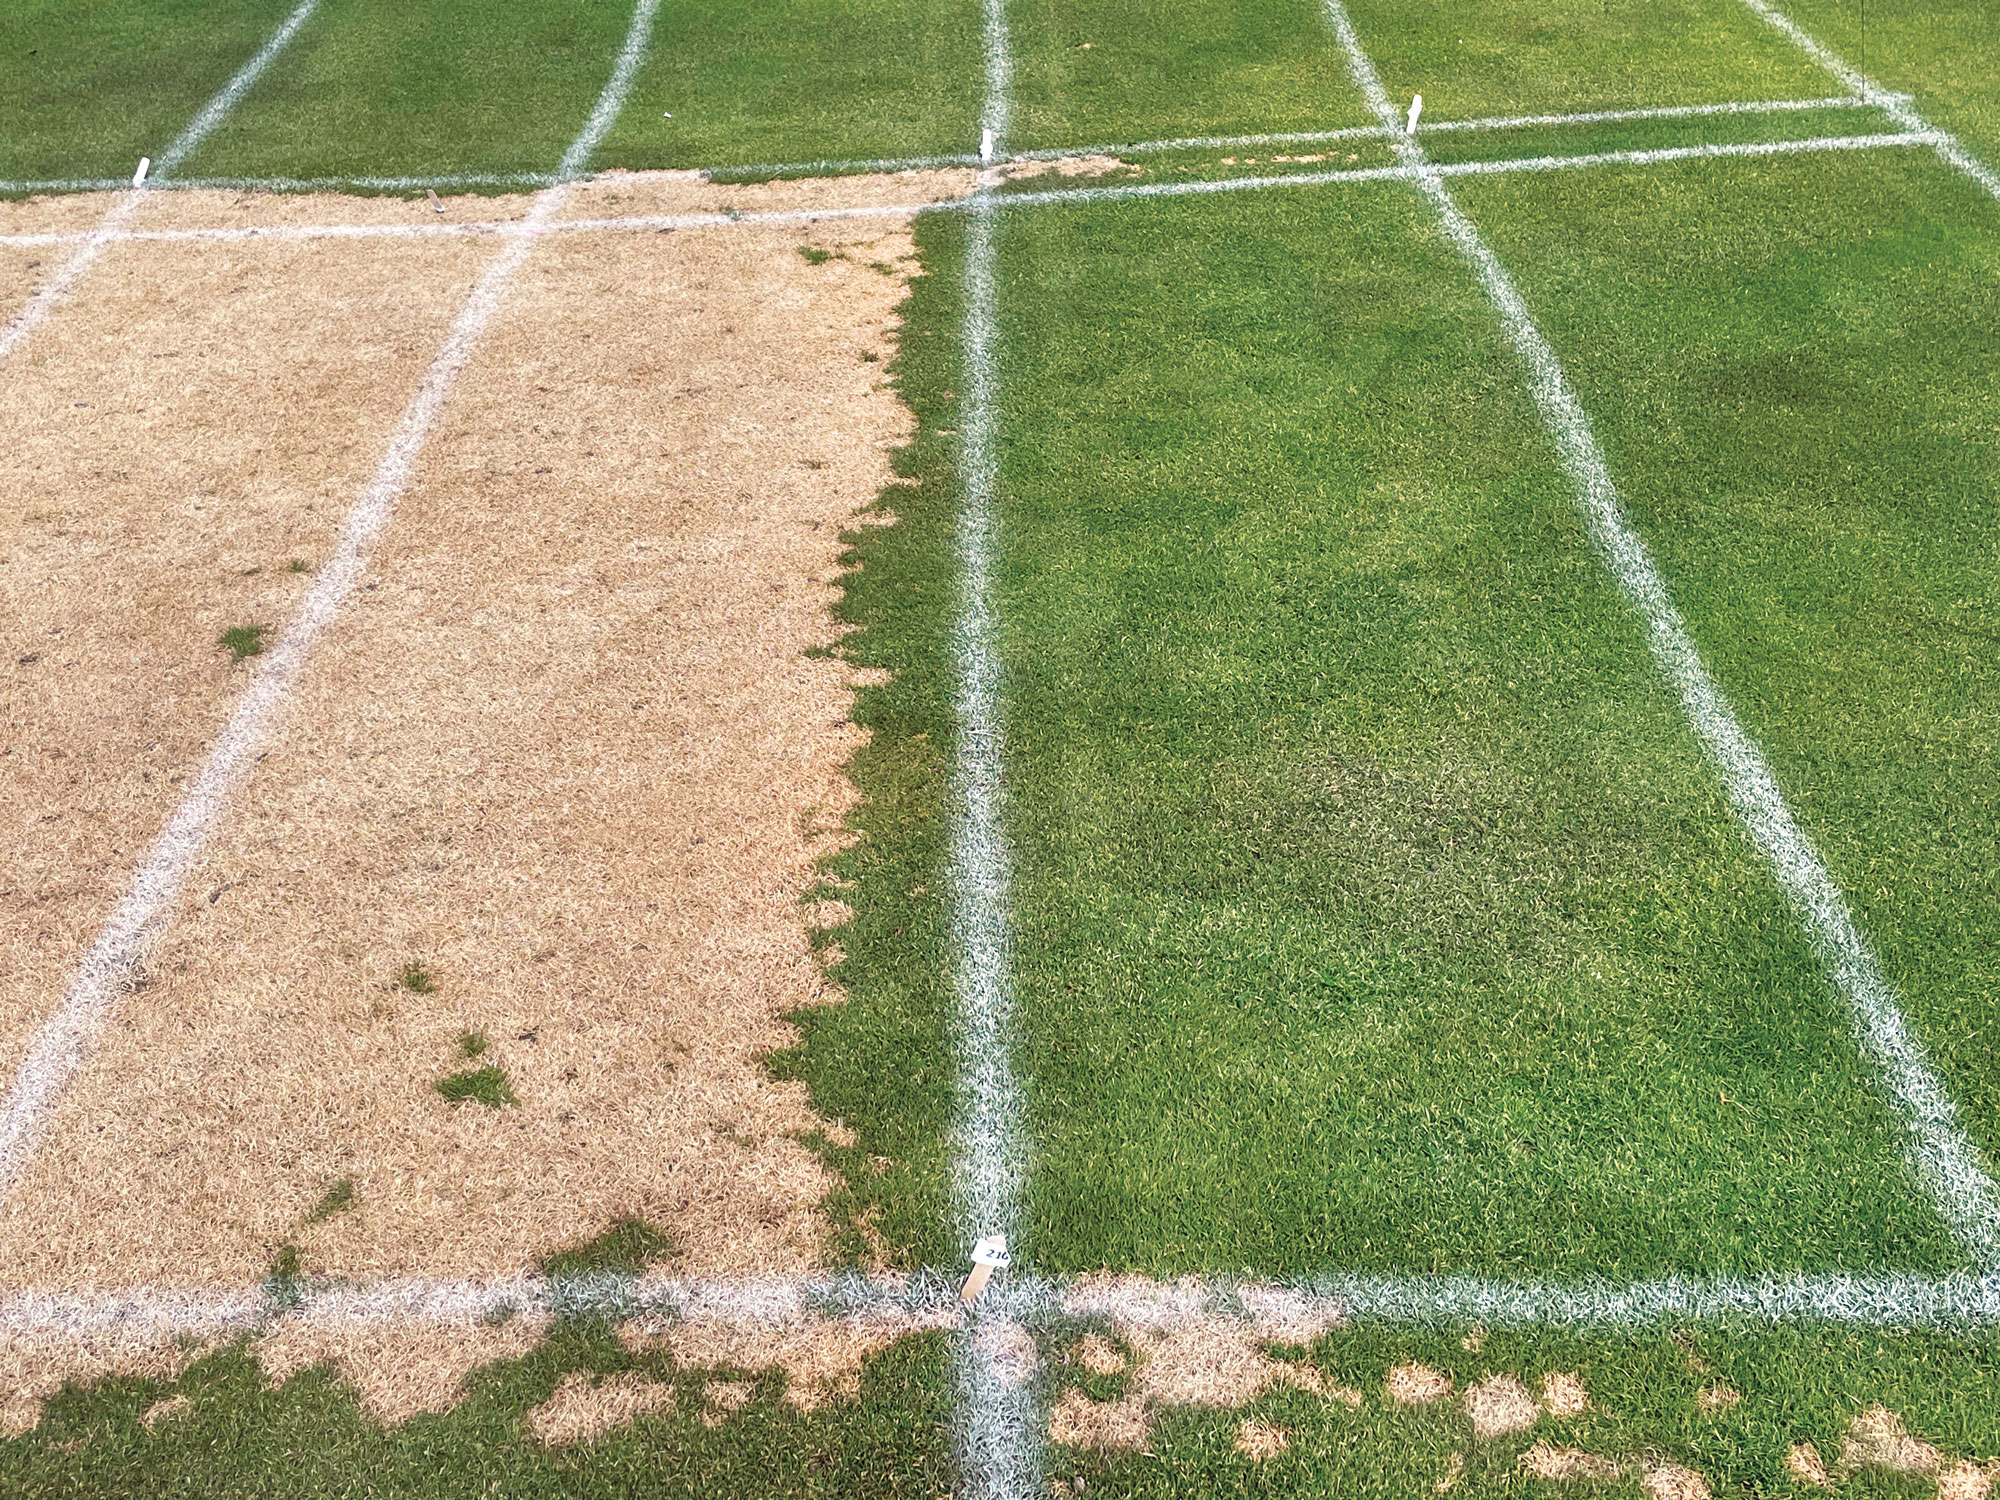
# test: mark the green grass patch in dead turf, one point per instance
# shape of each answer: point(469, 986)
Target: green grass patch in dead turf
point(243, 641)
point(417, 978)
point(487, 1086)
point(336, 1200)
point(627, 1248)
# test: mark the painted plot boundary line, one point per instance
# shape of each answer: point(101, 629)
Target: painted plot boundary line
point(1943, 1159)
point(61, 1043)
point(1865, 90)
point(197, 130)
point(839, 167)
point(929, 1299)
point(1031, 199)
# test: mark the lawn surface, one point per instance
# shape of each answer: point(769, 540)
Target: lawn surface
point(87, 87)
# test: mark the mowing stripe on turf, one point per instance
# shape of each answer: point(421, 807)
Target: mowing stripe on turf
point(1943, 1159)
point(1865, 90)
point(197, 130)
point(1000, 1426)
point(61, 1043)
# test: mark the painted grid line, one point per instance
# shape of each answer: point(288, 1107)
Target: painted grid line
point(1899, 107)
point(119, 214)
point(928, 1300)
point(1000, 1428)
point(826, 167)
point(637, 223)
point(1943, 1160)
point(114, 961)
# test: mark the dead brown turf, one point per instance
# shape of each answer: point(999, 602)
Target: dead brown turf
point(569, 750)
point(193, 417)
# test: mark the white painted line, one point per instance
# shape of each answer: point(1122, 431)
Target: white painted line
point(640, 223)
point(638, 37)
point(62, 1042)
point(1000, 1426)
point(1943, 1160)
point(119, 214)
point(928, 1300)
point(1668, 112)
point(1664, 154)
point(1899, 107)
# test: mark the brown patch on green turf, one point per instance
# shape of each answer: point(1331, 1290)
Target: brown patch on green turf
point(584, 1408)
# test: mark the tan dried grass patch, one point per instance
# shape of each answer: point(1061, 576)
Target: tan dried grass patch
point(190, 414)
point(583, 1409)
point(631, 194)
point(1500, 1406)
point(1966, 1480)
point(1099, 1355)
point(1718, 1397)
point(54, 213)
point(1108, 1426)
point(570, 745)
point(1259, 1439)
point(721, 1398)
point(1563, 1395)
point(397, 1370)
point(164, 1411)
point(1072, 166)
point(821, 1357)
point(1804, 1464)
point(1546, 1461)
point(1416, 1384)
point(1672, 1481)
point(1876, 1438)
point(229, 208)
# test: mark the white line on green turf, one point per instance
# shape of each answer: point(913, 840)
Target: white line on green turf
point(1943, 1160)
point(1000, 1426)
point(640, 223)
point(62, 1042)
point(109, 228)
point(836, 167)
point(1866, 90)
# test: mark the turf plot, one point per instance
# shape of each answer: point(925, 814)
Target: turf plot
point(87, 89)
point(1374, 908)
point(450, 86)
point(1945, 52)
point(1797, 398)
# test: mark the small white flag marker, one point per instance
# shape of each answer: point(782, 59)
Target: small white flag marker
point(988, 1256)
point(145, 166)
point(985, 154)
point(1416, 108)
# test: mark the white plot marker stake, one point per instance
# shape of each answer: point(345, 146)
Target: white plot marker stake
point(145, 166)
point(988, 1256)
point(985, 155)
point(1416, 108)
point(434, 199)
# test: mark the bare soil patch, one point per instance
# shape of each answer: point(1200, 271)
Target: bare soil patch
point(570, 749)
point(192, 419)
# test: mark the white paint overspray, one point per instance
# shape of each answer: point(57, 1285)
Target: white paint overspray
point(1899, 107)
point(1943, 1160)
point(1000, 1425)
point(52, 292)
point(62, 1042)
